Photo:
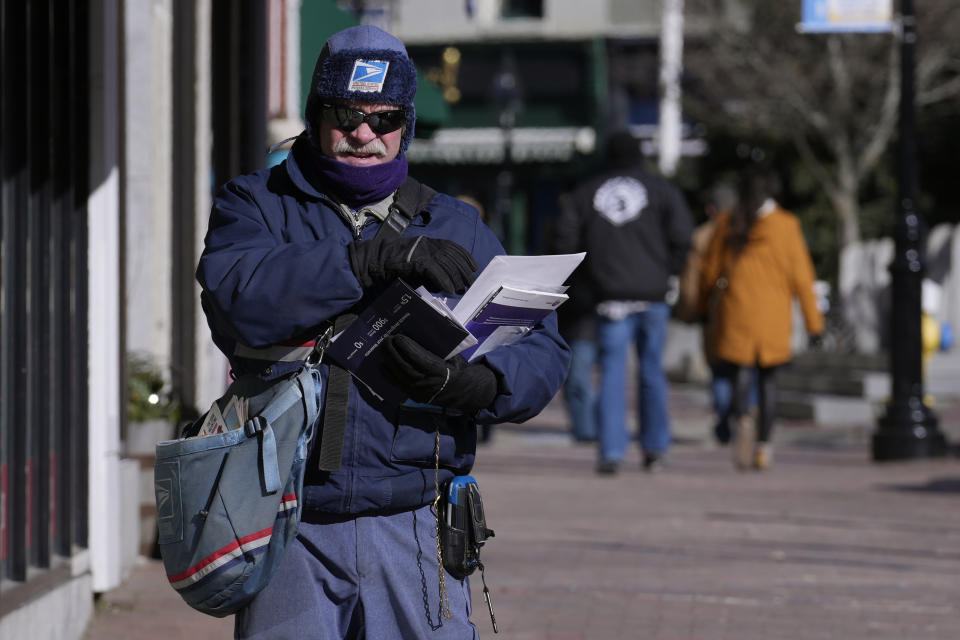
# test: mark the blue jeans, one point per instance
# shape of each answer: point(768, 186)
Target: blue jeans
point(721, 389)
point(363, 577)
point(648, 331)
point(578, 392)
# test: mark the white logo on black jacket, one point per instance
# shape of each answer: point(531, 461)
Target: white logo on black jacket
point(620, 200)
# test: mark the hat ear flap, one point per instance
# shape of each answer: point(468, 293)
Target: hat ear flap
point(311, 112)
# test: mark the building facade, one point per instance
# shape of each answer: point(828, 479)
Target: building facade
point(119, 119)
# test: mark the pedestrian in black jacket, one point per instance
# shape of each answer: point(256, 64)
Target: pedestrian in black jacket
point(636, 229)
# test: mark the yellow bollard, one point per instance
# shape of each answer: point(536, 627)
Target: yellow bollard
point(930, 342)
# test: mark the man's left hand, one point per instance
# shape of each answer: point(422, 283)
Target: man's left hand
point(427, 378)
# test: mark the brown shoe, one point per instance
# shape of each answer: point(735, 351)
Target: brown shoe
point(744, 440)
point(763, 456)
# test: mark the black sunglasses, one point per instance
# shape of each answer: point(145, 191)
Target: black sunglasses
point(347, 119)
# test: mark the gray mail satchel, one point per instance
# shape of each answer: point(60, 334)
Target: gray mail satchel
point(228, 504)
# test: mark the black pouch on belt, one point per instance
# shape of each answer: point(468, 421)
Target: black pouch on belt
point(463, 526)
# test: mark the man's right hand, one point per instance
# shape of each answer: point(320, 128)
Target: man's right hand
point(437, 264)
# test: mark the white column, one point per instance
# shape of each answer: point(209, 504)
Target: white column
point(292, 71)
point(486, 12)
point(103, 211)
point(671, 66)
point(276, 17)
point(148, 149)
point(951, 288)
point(211, 365)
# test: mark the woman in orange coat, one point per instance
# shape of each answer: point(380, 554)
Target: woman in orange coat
point(757, 262)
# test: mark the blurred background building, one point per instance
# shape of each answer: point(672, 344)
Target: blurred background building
point(120, 118)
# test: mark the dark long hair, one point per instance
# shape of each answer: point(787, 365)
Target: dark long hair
point(756, 185)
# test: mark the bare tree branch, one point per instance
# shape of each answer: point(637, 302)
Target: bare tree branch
point(835, 98)
point(817, 168)
point(945, 91)
point(880, 139)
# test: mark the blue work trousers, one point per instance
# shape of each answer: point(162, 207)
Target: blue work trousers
point(647, 331)
point(578, 391)
point(370, 577)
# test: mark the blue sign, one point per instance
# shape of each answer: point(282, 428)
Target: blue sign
point(847, 16)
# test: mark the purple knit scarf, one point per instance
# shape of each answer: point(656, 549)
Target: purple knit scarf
point(354, 186)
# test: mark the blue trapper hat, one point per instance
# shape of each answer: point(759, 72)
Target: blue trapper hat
point(363, 64)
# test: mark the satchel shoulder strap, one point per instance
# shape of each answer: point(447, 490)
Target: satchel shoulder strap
point(411, 198)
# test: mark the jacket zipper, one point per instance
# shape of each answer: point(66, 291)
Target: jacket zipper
point(352, 218)
point(357, 223)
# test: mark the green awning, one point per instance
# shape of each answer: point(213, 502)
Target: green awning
point(432, 109)
point(319, 20)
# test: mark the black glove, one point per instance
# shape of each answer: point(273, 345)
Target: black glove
point(428, 378)
point(437, 264)
point(815, 341)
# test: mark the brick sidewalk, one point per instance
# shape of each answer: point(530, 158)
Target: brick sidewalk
point(825, 545)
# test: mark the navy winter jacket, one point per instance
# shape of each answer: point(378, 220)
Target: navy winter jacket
point(275, 269)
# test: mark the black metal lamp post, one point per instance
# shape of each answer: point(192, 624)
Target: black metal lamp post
point(908, 429)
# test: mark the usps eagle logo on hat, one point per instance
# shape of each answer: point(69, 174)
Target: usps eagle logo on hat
point(368, 76)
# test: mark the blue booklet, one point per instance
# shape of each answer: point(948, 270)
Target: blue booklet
point(397, 310)
point(507, 316)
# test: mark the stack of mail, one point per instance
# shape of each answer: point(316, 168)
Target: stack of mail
point(510, 296)
point(232, 417)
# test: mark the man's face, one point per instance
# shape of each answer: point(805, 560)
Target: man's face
point(361, 147)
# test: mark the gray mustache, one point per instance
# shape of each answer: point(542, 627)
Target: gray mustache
point(373, 148)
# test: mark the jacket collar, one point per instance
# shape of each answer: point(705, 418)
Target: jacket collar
point(296, 172)
point(769, 206)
